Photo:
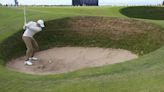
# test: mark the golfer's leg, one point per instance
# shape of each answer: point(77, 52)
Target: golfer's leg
point(28, 43)
point(35, 46)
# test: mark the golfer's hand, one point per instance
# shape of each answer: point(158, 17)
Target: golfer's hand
point(25, 26)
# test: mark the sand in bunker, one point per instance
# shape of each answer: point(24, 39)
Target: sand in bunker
point(67, 59)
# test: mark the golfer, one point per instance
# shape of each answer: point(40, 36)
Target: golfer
point(31, 28)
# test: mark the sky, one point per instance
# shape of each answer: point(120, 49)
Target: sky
point(69, 2)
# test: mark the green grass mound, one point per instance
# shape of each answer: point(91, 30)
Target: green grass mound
point(154, 13)
point(134, 35)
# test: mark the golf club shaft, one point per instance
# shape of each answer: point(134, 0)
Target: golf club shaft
point(25, 20)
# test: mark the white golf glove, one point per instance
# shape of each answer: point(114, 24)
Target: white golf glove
point(25, 26)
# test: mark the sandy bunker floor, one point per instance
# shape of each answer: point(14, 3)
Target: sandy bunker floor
point(67, 59)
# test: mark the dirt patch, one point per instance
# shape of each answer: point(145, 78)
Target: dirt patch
point(67, 59)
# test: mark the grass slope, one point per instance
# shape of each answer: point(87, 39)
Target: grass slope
point(142, 75)
point(150, 12)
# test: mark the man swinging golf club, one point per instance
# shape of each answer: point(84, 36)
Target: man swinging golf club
point(31, 28)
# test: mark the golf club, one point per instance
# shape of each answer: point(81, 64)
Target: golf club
point(25, 19)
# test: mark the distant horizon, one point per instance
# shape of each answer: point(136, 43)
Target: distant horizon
point(69, 2)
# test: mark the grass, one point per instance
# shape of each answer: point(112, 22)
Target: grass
point(151, 12)
point(141, 75)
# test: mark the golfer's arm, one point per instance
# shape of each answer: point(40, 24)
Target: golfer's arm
point(35, 28)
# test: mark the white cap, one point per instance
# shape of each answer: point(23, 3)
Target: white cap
point(41, 23)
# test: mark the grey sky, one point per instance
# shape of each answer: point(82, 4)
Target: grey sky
point(69, 2)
